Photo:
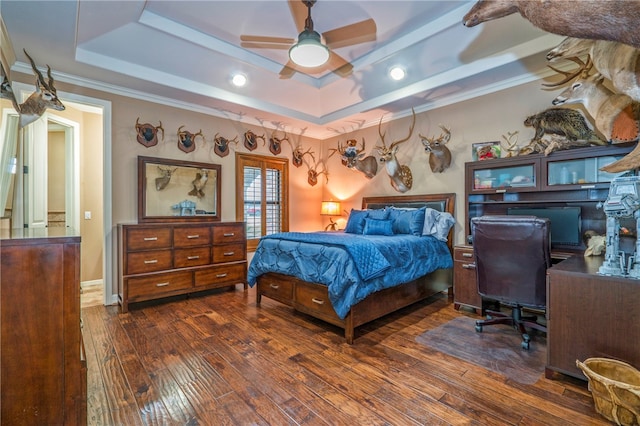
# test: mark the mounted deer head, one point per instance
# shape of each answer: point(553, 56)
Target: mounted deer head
point(275, 143)
point(221, 145)
point(187, 140)
point(44, 97)
point(251, 140)
point(313, 173)
point(439, 154)
point(355, 158)
point(400, 175)
point(298, 153)
point(147, 133)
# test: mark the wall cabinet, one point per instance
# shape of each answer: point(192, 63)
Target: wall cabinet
point(167, 259)
point(561, 179)
point(44, 373)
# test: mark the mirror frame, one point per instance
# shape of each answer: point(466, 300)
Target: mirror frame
point(144, 217)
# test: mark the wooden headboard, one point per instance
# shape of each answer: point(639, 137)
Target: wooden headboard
point(440, 202)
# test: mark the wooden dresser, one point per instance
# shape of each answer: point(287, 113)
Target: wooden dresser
point(44, 373)
point(166, 259)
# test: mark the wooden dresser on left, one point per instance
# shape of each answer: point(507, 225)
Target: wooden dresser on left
point(166, 259)
point(43, 378)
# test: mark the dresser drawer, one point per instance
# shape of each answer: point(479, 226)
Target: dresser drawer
point(191, 236)
point(463, 255)
point(183, 258)
point(229, 253)
point(149, 261)
point(143, 288)
point(148, 238)
point(315, 299)
point(223, 274)
point(228, 233)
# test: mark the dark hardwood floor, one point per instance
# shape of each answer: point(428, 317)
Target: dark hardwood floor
point(218, 359)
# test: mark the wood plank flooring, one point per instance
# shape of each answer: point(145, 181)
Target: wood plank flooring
point(218, 359)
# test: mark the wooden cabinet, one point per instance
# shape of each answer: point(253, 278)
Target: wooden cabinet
point(166, 259)
point(590, 315)
point(43, 376)
point(570, 178)
point(465, 290)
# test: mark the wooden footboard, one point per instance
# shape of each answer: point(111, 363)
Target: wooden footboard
point(313, 299)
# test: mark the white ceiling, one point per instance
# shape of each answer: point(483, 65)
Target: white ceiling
point(183, 53)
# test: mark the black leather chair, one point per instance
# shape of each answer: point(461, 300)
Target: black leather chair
point(512, 256)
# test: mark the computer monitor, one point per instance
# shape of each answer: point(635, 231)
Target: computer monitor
point(565, 222)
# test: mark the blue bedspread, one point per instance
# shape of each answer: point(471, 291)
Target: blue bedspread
point(352, 266)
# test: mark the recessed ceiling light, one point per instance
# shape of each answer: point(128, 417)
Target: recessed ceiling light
point(239, 80)
point(397, 73)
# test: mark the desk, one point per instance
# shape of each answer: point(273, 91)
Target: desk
point(590, 315)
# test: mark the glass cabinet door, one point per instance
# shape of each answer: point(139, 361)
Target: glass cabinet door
point(520, 176)
point(583, 171)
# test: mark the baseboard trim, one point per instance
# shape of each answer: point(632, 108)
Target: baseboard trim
point(85, 284)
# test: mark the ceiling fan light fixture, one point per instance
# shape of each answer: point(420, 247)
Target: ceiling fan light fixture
point(309, 51)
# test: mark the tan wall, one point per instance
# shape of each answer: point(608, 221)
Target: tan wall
point(56, 172)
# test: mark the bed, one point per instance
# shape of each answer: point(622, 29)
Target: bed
point(317, 284)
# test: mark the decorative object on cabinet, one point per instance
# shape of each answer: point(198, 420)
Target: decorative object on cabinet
point(158, 206)
point(166, 259)
point(44, 370)
point(616, 61)
point(275, 143)
point(354, 158)
point(595, 243)
point(563, 179)
point(511, 141)
point(604, 21)
point(485, 151)
point(251, 140)
point(37, 103)
point(566, 122)
point(147, 133)
point(399, 174)
point(221, 145)
point(439, 154)
point(330, 208)
point(187, 140)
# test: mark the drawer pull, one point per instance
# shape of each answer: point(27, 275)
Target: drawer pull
point(467, 254)
point(148, 262)
point(193, 257)
point(221, 275)
point(230, 234)
point(229, 253)
point(151, 238)
point(469, 266)
point(162, 284)
point(317, 301)
point(193, 236)
point(274, 286)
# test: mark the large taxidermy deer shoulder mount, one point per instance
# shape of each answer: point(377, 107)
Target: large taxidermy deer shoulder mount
point(399, 174)
point(439, 154)
point(355, 158)
point(44, 97)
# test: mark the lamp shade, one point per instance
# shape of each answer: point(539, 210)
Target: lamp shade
point(309, 51)
point(330, 208)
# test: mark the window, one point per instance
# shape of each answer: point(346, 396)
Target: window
point(262, 195)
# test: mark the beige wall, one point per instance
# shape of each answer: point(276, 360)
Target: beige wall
point(477, 120)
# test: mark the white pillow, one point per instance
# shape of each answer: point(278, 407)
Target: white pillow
point(437, 223)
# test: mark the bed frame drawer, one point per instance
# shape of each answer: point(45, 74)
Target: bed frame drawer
point(315, 301)
point(280, 288)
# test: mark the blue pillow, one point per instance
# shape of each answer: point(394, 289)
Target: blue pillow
point(377, 227)
point(379, 214)
point(407, 221)
point(355, 222)
point(437, 224)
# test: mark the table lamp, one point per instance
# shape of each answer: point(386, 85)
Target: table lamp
point(330, 208)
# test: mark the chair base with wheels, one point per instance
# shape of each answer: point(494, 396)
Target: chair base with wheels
point(516, 319)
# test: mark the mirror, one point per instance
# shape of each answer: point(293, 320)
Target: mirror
point(180, 191)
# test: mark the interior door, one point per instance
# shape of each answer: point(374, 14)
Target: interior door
point(35, 173)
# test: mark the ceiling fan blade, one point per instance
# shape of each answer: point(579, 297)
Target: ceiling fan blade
point(299, 13)
point(255, 45)
point(348, 35)
point(266, 39)
point(339, 65)
point(288, 70)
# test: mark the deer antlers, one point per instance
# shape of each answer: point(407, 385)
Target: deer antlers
point(384, 148)
point(582, 70)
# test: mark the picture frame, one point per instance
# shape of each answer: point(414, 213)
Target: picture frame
point(485, 151)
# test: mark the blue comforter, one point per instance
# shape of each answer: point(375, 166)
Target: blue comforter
point(352, 266)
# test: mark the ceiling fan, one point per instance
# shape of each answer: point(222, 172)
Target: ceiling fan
point(319, 55)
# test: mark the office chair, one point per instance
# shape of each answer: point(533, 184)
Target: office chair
point(512, 256)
